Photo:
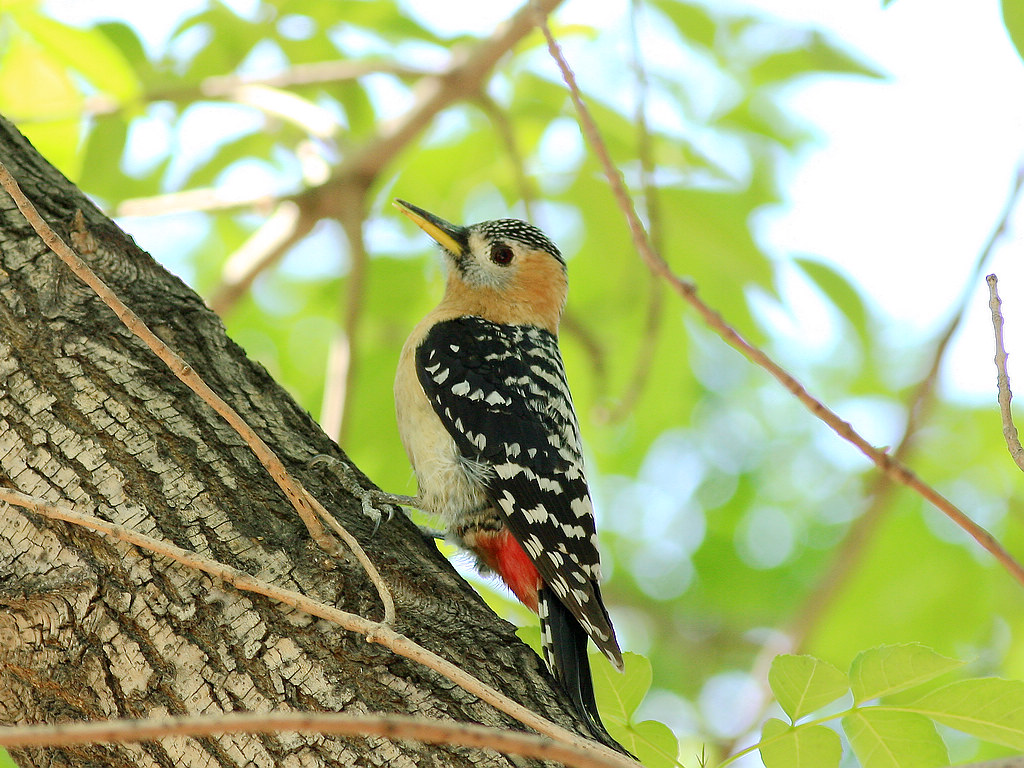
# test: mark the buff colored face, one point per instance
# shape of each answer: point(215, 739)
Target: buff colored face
point(501, 269)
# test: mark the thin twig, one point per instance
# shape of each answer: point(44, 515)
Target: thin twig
point(924, 393)
point(426, 730)
point(1003, 378)
point(714, 320)
point(375, 632)
point(636, 228)
point(309, 509)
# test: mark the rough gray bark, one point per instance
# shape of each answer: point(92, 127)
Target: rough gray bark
point(92, 628)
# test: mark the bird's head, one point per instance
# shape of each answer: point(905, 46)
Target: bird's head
point(504, 270)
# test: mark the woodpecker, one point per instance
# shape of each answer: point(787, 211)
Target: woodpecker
point(486, 417)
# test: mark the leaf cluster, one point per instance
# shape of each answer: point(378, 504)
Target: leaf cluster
point(885, 730)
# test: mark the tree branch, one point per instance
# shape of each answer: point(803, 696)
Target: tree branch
point(190, 200)
point(291, 108)
point(388, 726)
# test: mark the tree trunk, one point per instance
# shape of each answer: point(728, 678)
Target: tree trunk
point(92, 628)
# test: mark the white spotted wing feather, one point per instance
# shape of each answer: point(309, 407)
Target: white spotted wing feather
point(501, 392)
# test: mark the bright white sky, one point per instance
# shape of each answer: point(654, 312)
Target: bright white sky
point(915, 171)
point(910, 174)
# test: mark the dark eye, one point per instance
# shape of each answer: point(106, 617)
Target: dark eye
point(501, 254)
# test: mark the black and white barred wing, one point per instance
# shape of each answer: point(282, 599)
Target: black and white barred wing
point(501, 393)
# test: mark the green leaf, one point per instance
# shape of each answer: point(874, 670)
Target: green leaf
point(382, 18)
point(989, 708)
point(125, 39)
point(891, 668)
point(803, 684)
point(694, 22)
point(764, 117)
point(229, 39)
point(89, 52)
point(838, 289)
point(5, 760)
point(33, 85)
point(653, 743)
point(807, 53)
point(1013, 19)
point(887, 739)
point(618, 694)
point(799, 747)
point(38, 93)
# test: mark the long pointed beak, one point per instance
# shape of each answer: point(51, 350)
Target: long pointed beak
point(452, 238)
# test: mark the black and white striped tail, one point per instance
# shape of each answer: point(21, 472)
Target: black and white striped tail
point(564, 643)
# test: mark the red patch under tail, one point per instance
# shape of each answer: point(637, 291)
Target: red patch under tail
point(501, 553)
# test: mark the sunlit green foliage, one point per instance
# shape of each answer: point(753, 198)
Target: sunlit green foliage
point(724, 506)
point(885, 731)
point(1013, 18)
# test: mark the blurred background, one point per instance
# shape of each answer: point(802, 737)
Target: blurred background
point(837, 178)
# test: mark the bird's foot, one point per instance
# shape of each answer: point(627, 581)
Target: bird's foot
point(376, 504)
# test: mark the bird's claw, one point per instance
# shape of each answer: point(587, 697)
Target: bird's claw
point(371, 500)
